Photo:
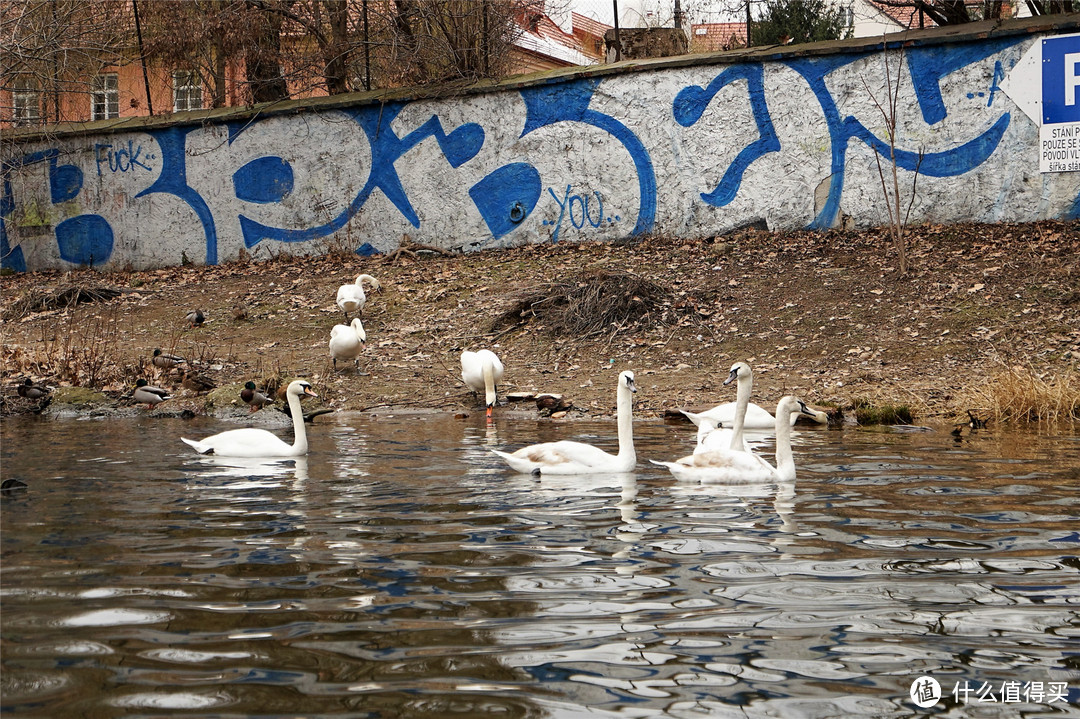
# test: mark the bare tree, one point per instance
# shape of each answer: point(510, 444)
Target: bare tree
point(957, 12)
point(890, 187)
point(56, 47)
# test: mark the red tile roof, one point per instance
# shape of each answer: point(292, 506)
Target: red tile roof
point(714, 36)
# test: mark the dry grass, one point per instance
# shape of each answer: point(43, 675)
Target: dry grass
point(587, 304)
point(1019, 393)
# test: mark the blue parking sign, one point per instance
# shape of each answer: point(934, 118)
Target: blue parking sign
point(1061, 79)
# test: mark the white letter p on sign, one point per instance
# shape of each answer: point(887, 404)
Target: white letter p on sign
point(1072, 77)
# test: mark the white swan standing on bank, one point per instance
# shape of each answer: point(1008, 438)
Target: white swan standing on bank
point(482, 371)
point(252, 442)
point(351, 298)
point(346, 341)
point(733, 466)
point(568, 457)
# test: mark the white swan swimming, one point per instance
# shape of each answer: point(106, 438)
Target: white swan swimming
point(755, 417)
point(568, 457)
point(732, 467)
point(351, 298)
point(710, 437)
point(346, 341)
point(482, 371)
point(252, 442)
point(714, 435)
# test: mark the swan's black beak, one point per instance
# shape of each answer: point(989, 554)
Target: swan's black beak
point(806, 410)
point(630, 385)
point(734, 375)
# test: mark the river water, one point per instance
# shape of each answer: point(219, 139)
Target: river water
point(401, 570)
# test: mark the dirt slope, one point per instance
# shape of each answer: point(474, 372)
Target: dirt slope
point(827, 316)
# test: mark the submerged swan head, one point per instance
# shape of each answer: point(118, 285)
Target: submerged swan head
point(739, 370)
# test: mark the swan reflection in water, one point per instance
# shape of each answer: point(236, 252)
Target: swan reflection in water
point(252, 468)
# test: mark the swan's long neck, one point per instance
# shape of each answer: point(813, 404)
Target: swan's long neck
point(624, 407)
point(785, 462)
point(489, 383)
point(299, 444)
point(742, 401)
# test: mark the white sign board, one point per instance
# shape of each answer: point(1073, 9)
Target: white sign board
point(1045, 84)
point(1059, 137)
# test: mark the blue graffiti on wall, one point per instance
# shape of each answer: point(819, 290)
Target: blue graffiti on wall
point(85, 239)
point(120, 159)
point(927, 66)
point(458, 146)
point(569, 102)
point(583, 203)
point(690, 104)
point(173, 181)
point(508, 195)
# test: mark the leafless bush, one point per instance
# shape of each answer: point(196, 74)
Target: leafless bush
point(587, 304)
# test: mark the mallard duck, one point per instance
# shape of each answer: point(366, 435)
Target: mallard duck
point(251, 442)
point(195, 318)
point(196, 382)
point(482, 371)
point(577, 457)
point(253, 397)
point(351, 298)
point(29, 390)
point(346, 341)
point(151, 395)
point(166, 360)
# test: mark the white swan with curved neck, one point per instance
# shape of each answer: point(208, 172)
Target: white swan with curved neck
point(351, 298)
point(252, 442)
point(568, 457)
point(346, 341)
point(482, 371)
point(733, 466)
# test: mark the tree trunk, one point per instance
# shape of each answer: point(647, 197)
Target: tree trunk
point(337, 54)
point(264, 61)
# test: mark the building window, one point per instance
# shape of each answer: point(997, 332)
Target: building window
point(26, 102)
point(104, 97)
point(187, 91)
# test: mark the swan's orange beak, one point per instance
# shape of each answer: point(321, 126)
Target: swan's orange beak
point(309, 393)
point(489, 412)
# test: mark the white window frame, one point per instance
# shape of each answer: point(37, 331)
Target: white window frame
point(25, 102)
point(105, 96)
point(187, 91)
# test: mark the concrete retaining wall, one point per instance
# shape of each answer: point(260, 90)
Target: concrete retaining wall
point(689, 146)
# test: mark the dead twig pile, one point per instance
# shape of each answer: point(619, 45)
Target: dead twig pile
point(58, 299)
point(586, 304)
